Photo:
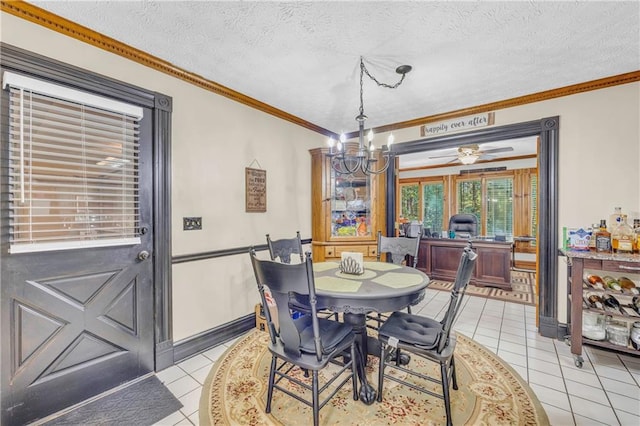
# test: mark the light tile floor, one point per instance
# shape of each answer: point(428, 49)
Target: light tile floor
point(605, 391)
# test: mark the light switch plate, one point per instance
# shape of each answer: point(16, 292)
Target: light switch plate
point(191, 223)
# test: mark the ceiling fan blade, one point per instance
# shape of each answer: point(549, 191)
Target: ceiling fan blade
point(494, 150)
point(455, 160)
point(444, 156)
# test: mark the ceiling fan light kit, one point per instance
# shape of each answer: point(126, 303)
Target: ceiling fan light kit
point(469, 158)
point(469, 154)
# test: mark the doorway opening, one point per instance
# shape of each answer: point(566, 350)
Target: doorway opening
point(546, 130)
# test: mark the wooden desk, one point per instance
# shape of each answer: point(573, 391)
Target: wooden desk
point(439, 259)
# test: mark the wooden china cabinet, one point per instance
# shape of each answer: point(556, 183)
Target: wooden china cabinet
point(347, 210)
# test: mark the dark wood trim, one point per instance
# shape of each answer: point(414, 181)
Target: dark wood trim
point(69, 28)
point(162, 223)
point(547, 130)
point(28, 63)
point(213, 337)
point(193, 257)
point(42, 67)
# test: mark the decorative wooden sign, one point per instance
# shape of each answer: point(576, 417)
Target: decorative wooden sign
point(457, 124)
point(255, 190)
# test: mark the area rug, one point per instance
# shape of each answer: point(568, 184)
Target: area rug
point(490, 393)
point(523, 286)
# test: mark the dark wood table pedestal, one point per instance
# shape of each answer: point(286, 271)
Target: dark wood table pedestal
point(370, 297)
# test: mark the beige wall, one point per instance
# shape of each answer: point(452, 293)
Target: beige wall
point(214, 139)
point(599, 156)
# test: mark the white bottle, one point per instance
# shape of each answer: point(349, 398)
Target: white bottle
point(615, 219)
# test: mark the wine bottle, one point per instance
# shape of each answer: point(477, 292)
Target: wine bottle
point(627, 285)
point(611, 283)
point(595, 301)
point(635, 304)
point(611, 303)
point(596, 281)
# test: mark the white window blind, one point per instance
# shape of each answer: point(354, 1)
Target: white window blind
point(73, 168)
point(499, 215)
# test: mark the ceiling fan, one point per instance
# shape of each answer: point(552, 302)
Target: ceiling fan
point(469, 154)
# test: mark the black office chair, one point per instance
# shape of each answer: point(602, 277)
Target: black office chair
point(399, 250)
point(426, 338)
point(282, 250)
point(464, 225)
point(308, 342)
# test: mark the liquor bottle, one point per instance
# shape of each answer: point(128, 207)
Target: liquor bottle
point(622, 237)
point(592, 239)
point(615, 218)
point(636, 230)
point(603, 238)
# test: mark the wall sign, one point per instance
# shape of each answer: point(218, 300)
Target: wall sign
point(457, 124)
point(255, 190)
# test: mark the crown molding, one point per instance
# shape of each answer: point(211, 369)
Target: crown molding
point(602, 83)
point(69, 28)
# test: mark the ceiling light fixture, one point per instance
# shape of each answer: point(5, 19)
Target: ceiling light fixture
point(469, 158)
point(364, 158)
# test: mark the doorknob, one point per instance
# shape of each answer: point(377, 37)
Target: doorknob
point(143, 255)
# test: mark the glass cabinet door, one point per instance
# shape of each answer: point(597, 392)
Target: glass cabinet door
point(350, 197)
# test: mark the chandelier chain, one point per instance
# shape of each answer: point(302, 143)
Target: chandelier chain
point(364, 69)
point(365, 158)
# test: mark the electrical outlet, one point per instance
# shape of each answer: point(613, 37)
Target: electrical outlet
point(191, 223)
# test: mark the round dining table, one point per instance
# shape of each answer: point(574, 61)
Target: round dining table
point(382, 287)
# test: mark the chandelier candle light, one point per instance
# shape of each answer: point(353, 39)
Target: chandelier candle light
point(365, 158)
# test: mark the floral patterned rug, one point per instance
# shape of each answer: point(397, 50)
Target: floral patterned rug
point(489, 393)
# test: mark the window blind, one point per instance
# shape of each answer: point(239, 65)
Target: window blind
point(500, 206)
point(73, 168)
point(533, 226)
point(433, 206)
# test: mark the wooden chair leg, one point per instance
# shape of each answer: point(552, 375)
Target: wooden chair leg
point(272, 376)
point(383, 354)
point(316, 397)
point(445, 392)
point(452, 366)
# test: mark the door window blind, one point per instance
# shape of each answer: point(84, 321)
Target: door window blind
point(73, 168)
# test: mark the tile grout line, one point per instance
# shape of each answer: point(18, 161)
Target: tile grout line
point(606, 394)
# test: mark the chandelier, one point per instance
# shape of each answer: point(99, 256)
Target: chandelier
point(365, 158)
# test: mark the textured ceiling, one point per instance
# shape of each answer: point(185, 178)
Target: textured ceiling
point(302, 57)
